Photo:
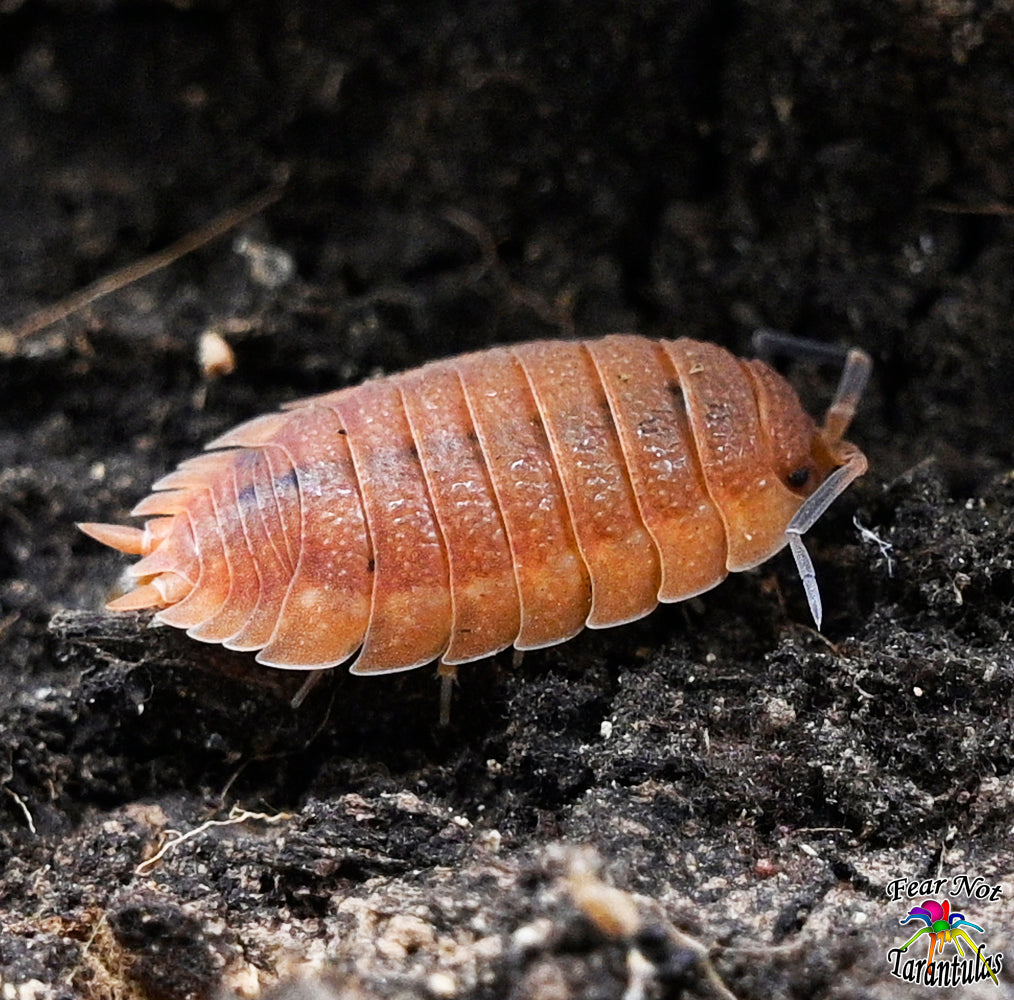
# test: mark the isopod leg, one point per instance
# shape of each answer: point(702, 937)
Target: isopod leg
point(448, 674)
point(312, 680)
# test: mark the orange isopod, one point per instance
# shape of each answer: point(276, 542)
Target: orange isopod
point(511, 496)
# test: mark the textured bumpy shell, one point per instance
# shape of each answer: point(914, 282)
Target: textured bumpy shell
point(507, 497)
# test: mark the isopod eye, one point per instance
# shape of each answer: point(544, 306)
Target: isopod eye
point(798, 478)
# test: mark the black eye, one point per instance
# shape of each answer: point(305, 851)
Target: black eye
point(798, 478)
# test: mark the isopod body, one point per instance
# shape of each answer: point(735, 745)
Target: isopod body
point(507, 497)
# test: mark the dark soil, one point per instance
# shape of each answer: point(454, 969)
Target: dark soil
point(455, 175)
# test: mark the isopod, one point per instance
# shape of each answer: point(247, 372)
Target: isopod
point(511, 496)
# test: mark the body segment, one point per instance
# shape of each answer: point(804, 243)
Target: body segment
point(506, 497)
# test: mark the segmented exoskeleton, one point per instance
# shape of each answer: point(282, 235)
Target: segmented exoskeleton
point(507, 497)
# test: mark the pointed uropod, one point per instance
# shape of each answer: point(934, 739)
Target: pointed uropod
point(508, 497)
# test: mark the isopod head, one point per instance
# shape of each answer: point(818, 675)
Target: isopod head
point(816, 463)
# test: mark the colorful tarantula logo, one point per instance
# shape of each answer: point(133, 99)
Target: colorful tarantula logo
point(943, 926)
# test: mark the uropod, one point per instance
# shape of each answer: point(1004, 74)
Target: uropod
point(508, 497)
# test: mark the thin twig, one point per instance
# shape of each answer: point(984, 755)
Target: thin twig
point(193, 240)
